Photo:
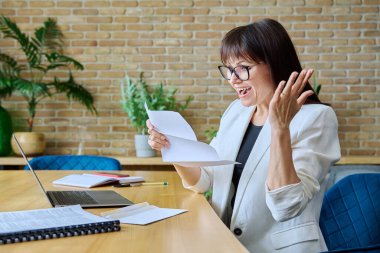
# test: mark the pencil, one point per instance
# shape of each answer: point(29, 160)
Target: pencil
point(149, 183)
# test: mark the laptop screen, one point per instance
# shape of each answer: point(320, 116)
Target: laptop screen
point(27, 162)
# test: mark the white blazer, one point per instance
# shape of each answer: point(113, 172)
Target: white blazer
point(286, 219)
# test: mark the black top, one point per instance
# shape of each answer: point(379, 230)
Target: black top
point(246, 146)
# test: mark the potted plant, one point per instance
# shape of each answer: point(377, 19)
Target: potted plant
point(134, 95)
point(28, 77)
point(5, 117)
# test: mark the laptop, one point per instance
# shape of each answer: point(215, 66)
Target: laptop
point(86, 199)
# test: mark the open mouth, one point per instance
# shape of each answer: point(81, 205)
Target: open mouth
point(243, 91)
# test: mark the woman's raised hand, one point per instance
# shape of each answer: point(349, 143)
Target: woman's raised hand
point(156, 141)
point(288, 99)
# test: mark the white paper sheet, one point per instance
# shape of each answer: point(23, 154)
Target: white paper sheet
point(45, 218)
point(184, 148)
point(141, 214)
point(90, 180)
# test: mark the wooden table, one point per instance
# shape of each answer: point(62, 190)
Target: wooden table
point(199, 230)
point(156, 162)
point(129, 163)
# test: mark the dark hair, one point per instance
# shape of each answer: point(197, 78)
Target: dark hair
point(265, 41)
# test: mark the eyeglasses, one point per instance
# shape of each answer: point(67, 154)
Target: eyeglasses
point(240, 71)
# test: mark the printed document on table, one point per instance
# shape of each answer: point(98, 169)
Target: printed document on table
point(184, 149)
point(45, 218)
point(141, 214)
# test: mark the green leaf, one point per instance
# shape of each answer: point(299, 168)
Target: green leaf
point(75, 92)
point(134, 95)
point(11, 30)
point(49, 36)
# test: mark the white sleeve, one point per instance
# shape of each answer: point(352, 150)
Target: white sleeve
point(315, 148)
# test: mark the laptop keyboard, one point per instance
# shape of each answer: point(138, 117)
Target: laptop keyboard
point(73, 197)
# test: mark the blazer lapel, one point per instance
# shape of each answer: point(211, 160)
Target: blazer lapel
point(259, 149)
point(229, 151)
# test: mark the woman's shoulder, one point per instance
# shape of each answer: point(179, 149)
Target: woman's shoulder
point(314, 113)
point(316, 110)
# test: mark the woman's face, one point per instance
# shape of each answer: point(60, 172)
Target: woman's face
point(258, 89)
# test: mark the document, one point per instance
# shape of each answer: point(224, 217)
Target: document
point(91, 180)
point(184, 147)
point(141, 214)
point(45, 218)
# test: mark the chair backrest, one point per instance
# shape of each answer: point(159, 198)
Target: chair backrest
point(74, 162)
point(350, 215)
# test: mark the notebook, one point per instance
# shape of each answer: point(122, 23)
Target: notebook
point(41, 224)
point(92, 180)
point(84, 198)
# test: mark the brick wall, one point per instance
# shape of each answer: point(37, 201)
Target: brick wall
point(177, 42)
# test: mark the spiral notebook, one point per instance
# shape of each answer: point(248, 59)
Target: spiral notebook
point(41, 224)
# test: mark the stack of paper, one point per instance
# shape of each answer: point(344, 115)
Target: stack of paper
point(91, 180)
point(141, 214)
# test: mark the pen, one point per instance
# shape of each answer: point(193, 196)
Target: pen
point(149, 183)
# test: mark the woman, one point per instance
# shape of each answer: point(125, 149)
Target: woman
point(283, 136)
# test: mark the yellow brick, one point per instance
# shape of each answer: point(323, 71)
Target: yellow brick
point(320, 18)
point(127, 19)
point(237, 19)
point(167, 27)
point(46, 3)
point(347, 49)
point(16, 4)
point(280, 10)
point(147, 3)
point(181, 19)
point(292, 18)
point(98, 35)
point(124, 3)
point(111, 12)
point(85, 12)
point(180, 35)
point(208, 19)
point(139, 27)
point(99, 20)
point(30, 12)
point(7, 12)
point(140, 43)
point(125, 35)
point(84, 27)
point(84, 43)
point(224, 11)
point(111, 27)
point(348, 17)
point(112, 74)
point(305, 26)
point(152, 66)
point(196, 11)
point(167, 42)
point(154, 19)
point(96, 3)
point(71, 4)
point(97, 66)
point(168, 11)
point(365, 9)
point(209, 3)
point(166, 58)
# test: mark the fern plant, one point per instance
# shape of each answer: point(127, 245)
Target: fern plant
point(134, 95)
point(44, 53)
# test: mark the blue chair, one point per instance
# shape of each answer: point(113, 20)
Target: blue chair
point(350, 214)
point(74, 162)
